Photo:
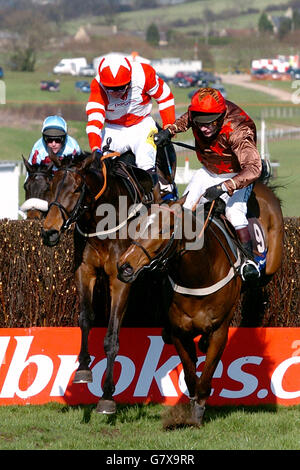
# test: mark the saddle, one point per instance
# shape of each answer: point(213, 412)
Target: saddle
point(137, 181)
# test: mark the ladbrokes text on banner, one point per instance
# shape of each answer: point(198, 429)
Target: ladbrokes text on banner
point(259, 366)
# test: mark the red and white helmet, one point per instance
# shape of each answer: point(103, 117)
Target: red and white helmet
point(115, 71)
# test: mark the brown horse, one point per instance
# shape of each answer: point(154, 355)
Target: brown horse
point(206, 283)
point(37, 186)
point(91, 193)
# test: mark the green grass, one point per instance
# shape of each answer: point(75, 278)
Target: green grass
point(24, 87)
point(139, 427)
point(287, 154)
point(166, 15)
point(17, 138)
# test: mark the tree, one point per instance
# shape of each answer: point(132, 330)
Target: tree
point(285, 27)
point(296, 19)
point(264, 24)
point(33, 33)
point(152, 35)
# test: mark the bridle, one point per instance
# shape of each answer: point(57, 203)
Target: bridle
point(32, 175)
point(79, 209)
point(161, 259)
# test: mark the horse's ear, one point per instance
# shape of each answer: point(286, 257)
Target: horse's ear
point(54, 158)
point(49, 168)
point(27, 164)
point(180, 201)
point(88, 160)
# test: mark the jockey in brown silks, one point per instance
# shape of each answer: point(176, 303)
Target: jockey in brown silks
point(225, 140)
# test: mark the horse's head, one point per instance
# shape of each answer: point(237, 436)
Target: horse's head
point(67, 194)
point(36, 186)
point(154, 241)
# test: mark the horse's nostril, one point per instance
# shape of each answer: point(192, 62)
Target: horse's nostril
point(50, 237)
point(127, 270)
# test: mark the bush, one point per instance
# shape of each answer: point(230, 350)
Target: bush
point(37, 285)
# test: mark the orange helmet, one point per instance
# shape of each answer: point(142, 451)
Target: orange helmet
point(115, 72)
point(207, 105)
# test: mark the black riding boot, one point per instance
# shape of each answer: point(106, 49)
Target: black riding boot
point(156, 188)
point(249, 270)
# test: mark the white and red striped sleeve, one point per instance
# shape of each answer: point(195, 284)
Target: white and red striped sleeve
point(161, 92)
point(95, 110)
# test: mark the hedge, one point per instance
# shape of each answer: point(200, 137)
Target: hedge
point(37, 285)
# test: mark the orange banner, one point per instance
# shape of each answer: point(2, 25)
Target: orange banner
point(259, 366)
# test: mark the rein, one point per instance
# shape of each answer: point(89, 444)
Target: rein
point(160, 260)
point(78, 210)
point(186, 146)
point(104, 157)
point(112, 230)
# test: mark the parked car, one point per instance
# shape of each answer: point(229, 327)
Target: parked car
point(260, 74)
point(217, 86)
point(87, 71)
point(221, 89)
point(295, 74)
point(47, 85)
point(83, 85)
point(181, 82)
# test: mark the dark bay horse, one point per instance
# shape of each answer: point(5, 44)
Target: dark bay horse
point(88, 192)
point(37, 187)
point(205, 293)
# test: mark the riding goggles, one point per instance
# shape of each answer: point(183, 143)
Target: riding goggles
point(57, 140)
point(117, 88)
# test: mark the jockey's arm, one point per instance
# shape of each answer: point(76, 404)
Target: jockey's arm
point(182, 124)
point(95, 110)
point(245, 149)
point(161, 92)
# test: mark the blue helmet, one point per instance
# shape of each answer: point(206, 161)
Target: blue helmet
point(54, 126)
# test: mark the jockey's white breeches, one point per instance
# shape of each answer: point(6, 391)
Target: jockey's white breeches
point(137, 138)
point(236, 205)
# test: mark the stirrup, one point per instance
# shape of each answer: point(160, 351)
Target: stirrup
point(249, 271)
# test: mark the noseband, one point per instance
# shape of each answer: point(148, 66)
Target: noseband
point(78, 210)
point(161, 259)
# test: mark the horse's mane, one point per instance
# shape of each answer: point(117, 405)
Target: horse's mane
point(274, 187)
point(71, 159)
point(39, 167)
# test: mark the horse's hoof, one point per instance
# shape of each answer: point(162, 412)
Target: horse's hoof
point(106, 407)
point(83, 377)
point(197, 413)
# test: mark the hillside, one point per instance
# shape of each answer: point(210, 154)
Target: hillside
point(221, 33)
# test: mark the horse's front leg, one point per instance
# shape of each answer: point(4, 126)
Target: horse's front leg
point(85, 279)
point(216, 344)
point(119, 298)
point(186, 350)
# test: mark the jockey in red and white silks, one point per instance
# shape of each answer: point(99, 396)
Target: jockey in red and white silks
point(120, 105)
